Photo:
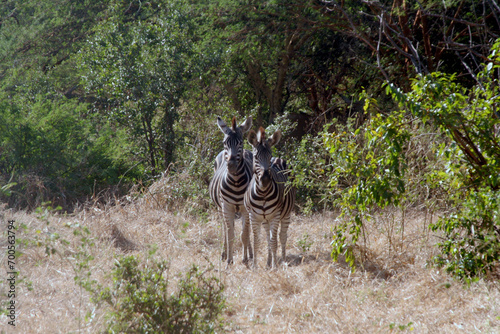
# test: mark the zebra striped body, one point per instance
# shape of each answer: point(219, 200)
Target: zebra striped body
point(268, 200)
point(233, 172)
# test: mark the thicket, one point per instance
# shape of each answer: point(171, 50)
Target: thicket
point(98, 96)
point(440, 148)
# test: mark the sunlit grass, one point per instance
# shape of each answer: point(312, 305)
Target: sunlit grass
point(392, 289)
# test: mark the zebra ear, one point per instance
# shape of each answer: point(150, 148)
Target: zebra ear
point(223, 127)
point(252, 138)
point(246, 125)
point(275, 138)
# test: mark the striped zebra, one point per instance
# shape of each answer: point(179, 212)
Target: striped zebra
point(268, 200)
point(233, 172)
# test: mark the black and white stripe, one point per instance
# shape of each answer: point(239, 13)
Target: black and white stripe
point(268, 200)
point(233, 172)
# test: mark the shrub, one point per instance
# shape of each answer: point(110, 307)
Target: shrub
point(142, 300)
point(469, 118)
point(440, 149)
point(52, 153)
point(369, 172)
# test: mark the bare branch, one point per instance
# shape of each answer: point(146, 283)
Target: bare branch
point(386, 76)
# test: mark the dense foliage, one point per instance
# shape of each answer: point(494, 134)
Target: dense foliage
point(469, 117)
point(96, 96)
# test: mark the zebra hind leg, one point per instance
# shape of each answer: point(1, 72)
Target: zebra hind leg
point(284, 236)
point(245, 238)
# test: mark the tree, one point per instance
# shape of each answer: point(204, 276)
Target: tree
point(264, 43)
point(469, 117)
point(427, 36)
point(38, 41)
point(50, 147)
point(136, 66)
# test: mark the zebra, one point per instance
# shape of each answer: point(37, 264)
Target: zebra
point(232, 174)
point(268, 199)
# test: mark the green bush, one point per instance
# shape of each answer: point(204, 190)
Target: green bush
point(440, 149)
point(469, 118)
point(53, 153)
point(142, 301)
point(369, 172)
point(472, 243)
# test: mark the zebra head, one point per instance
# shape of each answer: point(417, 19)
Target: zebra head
point(233, 141)
point(262, 155)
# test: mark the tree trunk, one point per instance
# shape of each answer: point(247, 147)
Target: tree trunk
point(149, 134)
point(168, 143)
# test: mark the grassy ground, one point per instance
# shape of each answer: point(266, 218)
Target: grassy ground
point(395, 291)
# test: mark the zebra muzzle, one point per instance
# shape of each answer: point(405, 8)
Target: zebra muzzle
point(265, 178)
point(232, 165)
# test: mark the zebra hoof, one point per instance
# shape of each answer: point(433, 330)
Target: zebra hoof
point(247, 263)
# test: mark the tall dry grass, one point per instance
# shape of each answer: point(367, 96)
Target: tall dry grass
point(392, 290)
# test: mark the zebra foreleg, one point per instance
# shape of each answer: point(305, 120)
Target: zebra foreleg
point(224, 232)
point(255, 224)
point(229, 216)
point(268, 237)
point(272, 260)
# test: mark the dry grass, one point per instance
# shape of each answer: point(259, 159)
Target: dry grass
point(309, 295)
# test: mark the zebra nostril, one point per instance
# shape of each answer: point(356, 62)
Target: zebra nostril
point(232, 165)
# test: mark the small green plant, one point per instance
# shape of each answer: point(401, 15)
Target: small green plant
point(142, 301)
point(305, 243)
point(408, 326)
point(5, 189)
point(308, 207)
